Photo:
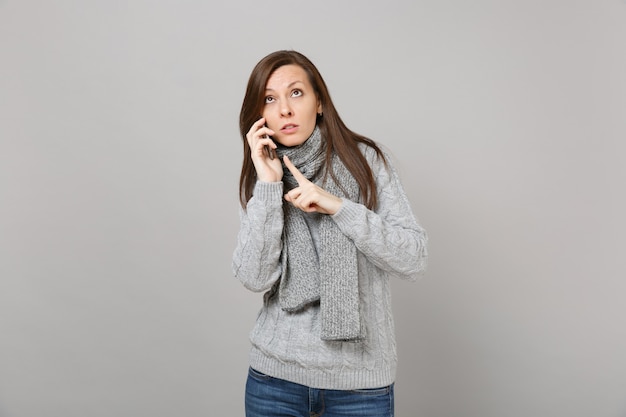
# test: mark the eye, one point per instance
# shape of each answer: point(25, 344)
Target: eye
point(269, 99)
point(296, 93)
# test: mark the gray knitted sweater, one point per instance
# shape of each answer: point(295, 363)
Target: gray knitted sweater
point(389, 243)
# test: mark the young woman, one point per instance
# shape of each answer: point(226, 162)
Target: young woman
point(324, 224)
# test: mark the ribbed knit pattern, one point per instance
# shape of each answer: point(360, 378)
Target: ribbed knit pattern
point(389, 243)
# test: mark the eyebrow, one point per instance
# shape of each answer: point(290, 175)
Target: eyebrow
point(289, 86)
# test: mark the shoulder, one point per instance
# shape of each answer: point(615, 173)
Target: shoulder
point(375, 160)
point(383, 169)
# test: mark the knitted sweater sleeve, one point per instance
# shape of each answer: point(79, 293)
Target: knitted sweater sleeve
point(256, 259)
point(389, 236)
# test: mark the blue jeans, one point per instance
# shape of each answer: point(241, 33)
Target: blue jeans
point(267, 396)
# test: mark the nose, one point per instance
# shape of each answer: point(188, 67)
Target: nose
point(285, 110)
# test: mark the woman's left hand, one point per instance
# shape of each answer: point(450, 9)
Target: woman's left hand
point(309, 197)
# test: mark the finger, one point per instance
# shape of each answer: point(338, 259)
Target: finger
point(269, 152)
point(259, 123)
point(264, 135)
point(301, 179)
point(263, 147)
point(294, 194)
point(268, 146)
point(261, 129)
point(255, 126)
point(258, 130)
point(301, 200)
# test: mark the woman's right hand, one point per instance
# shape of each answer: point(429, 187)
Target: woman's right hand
point(267, 164)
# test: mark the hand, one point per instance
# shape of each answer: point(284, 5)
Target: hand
point(262, 150)
point(309, 197)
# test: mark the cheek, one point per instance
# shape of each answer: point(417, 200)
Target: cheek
point(268, 117)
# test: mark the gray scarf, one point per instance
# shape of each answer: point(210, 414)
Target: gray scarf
point(330, 276)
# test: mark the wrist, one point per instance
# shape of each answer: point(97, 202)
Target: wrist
point(269, 178)
point(335, 206)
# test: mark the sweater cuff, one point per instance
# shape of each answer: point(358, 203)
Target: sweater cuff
point(269, 192)
point(347, 213)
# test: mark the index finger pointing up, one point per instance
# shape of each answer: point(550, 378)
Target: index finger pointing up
point(294, 171)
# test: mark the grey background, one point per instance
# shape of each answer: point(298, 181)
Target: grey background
point(119, 164)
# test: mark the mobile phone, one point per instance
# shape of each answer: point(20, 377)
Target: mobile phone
point(268, 150)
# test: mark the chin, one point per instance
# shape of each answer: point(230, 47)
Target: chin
point(292, 141)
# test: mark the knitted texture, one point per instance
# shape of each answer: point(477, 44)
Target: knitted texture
point(389, 243)
point(328, 273)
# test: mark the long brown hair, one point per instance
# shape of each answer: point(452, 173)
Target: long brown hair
point(338, 138)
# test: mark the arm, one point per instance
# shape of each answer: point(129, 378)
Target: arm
point(256, 259)
point(390, 236)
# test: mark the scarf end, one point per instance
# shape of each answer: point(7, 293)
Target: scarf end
point(353, 334)
point(356, 339)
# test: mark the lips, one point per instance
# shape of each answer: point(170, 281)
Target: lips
point(289, 127)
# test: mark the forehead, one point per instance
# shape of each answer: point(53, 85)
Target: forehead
point(283, 77)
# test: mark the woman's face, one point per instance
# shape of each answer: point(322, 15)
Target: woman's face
point(291, 106)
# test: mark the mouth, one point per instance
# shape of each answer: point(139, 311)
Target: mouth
point(288, 127)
